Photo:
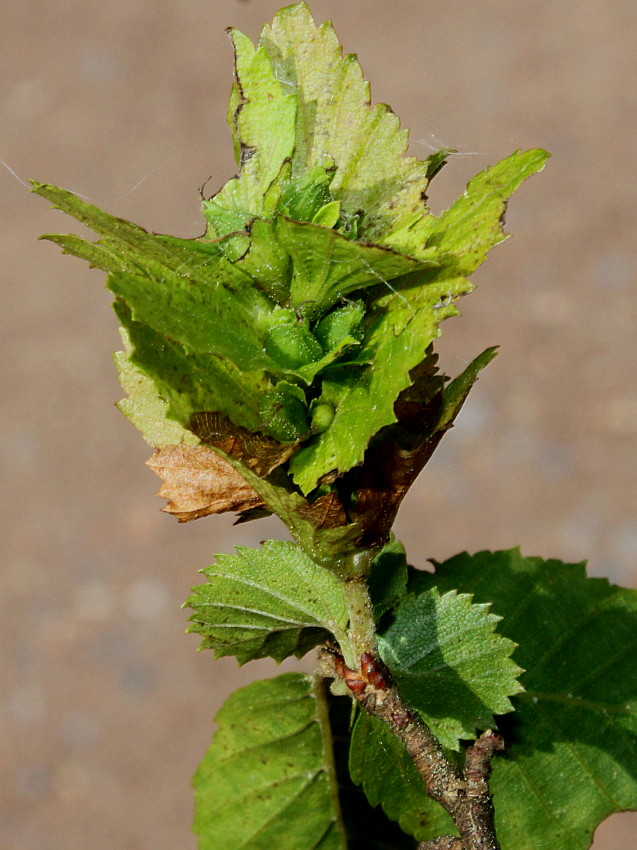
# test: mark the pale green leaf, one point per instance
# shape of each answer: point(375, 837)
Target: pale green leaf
point(473, 224)
point(264, 111)
point(144, 407)
point(272, 601)
point(571, 746)
point(268, 780)
point(206, 317)
point(335, 122)
point(449, 663)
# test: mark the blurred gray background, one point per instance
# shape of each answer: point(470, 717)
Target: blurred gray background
point(106, 707)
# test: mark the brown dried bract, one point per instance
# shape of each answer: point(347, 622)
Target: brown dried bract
point(326, 512)
point(258, 451)
point(197, 483)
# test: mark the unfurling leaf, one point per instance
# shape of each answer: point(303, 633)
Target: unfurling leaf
point(450, 664)
point(198, 482)
point(571, 745)
point(425, 412)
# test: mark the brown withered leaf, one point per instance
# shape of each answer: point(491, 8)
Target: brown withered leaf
point(261, 453)
point(326, 512)
point(197, 483)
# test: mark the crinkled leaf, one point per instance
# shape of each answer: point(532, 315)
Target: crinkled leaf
point(327, 266)
point(196, 382)
point(335, 122)
point(396, 456)
point(397, 333)
point(333, 547)
point(200, 319)
point(227, 324)
point(379, 762)
point(264, 111)
point(197, 483)
point(272, 601)
point(404, 321)
point(144, 407)
point(572, 742)
point(473, 224)
point(325, 512)
point(268, 779)
point(449, 663)
point(260, 453)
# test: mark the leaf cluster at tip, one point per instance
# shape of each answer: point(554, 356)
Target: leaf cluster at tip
point(323, 276)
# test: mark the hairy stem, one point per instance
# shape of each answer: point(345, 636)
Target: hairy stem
point(362, 628)
point(464, 794)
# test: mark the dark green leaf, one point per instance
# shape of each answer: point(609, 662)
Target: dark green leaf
point(572, 742)
point(367, 825)
point(387, 579)
point(194, 383)
point(455, 394)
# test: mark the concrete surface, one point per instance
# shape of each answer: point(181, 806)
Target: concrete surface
point(106, 706)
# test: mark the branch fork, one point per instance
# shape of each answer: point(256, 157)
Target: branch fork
point(465, 793)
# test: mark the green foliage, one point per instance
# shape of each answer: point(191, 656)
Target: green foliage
point(367, 827)
point(572, 742)
point(450, 663)
point(268, 779)
point(387, 580)
point(401, 320)
point(284, 363)
point(272, 601)
point(324, 277)
point(379, 763)
point(144, 407)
